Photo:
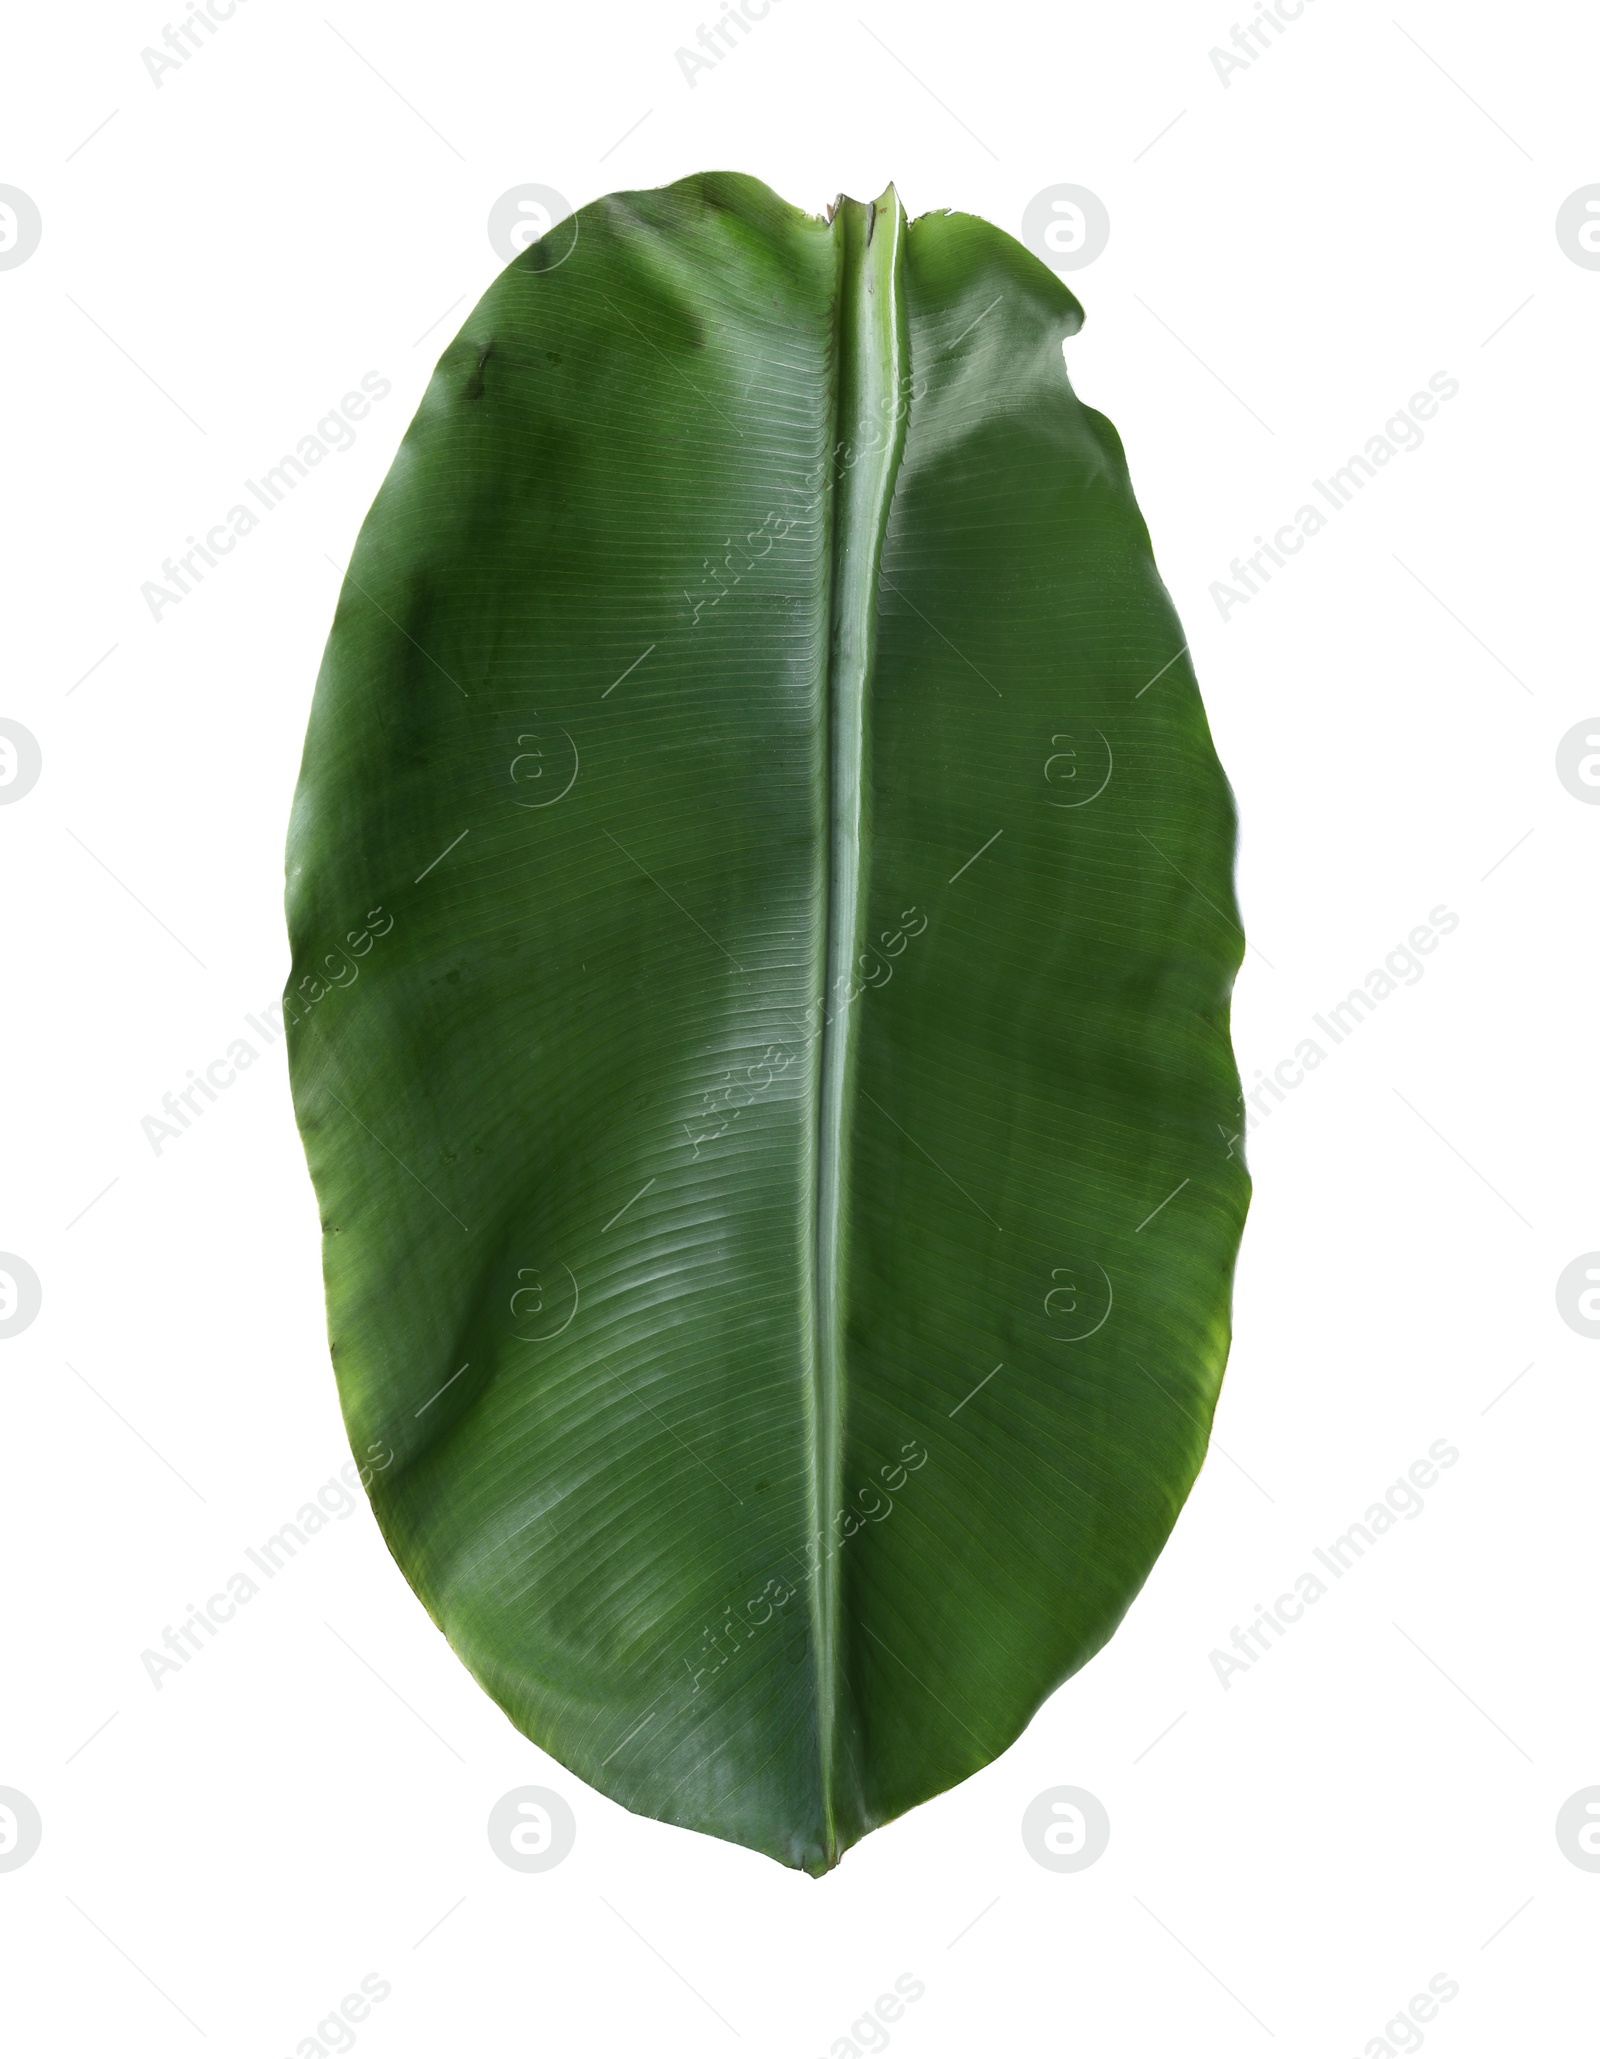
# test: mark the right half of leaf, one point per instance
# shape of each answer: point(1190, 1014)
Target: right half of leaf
point(1046, 1188)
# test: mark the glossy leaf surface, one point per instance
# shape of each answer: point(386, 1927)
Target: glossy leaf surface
point(761, 896)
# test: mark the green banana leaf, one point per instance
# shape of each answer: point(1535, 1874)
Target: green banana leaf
point(760, 888)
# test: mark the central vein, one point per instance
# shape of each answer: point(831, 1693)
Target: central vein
point(868, 436)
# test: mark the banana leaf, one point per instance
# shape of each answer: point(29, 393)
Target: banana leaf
point(761, 897)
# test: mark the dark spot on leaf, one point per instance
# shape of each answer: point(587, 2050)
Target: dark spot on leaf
point(474, 387)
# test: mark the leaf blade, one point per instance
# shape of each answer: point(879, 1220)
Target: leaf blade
point(583, 1128)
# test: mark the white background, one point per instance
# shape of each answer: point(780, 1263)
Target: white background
point(1373, 1803)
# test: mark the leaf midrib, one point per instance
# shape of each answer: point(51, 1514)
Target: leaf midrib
point(868, 436)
